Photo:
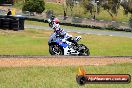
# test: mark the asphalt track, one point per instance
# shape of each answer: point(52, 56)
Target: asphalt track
point(29, 61)
point(96, 32)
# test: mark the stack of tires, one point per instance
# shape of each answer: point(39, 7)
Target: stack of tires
point(11, 23)
point(5, 23)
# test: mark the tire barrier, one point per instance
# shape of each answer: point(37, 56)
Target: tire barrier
point(11, 22)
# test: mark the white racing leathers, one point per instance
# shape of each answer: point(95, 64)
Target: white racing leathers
point(60, 34)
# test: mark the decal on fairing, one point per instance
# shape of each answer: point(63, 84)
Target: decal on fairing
point(61, 44)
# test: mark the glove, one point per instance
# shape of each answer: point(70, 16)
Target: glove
point(57, 35)
point(49, 20)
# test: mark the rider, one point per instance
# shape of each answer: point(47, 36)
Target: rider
point(59, 31)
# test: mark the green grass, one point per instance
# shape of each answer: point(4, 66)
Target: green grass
point(120, 16)
point(19, 4)
point(36, 23)
point(57, 8)
point(58, 77)
point(34, 42)
point(107, 46)
point(29, 42)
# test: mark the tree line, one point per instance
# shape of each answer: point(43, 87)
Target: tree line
point(111, 6)
point(94, 7)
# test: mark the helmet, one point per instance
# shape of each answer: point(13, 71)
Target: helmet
point(61, 32)
point(56, 20)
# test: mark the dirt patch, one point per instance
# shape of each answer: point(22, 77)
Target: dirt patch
point(24, 62)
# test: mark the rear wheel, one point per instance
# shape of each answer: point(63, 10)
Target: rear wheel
point(84, 51)
point(55, 50)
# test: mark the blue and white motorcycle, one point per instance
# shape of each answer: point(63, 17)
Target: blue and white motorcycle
point(59, 46)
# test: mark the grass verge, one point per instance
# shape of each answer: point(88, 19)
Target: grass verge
point(58, 77)
point(63, 26)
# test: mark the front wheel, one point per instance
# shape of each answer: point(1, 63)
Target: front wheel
point(84, 51)
point(55, 50)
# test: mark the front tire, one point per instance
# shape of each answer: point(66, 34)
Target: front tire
point(55, 50)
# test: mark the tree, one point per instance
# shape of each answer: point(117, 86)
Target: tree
point(111, 6)
point(127, 5)
point(70, 4)
point(88, 6)
point(93, 6)
point(37, 6)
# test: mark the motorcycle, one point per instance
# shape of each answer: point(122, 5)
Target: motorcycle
point(60, 46)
